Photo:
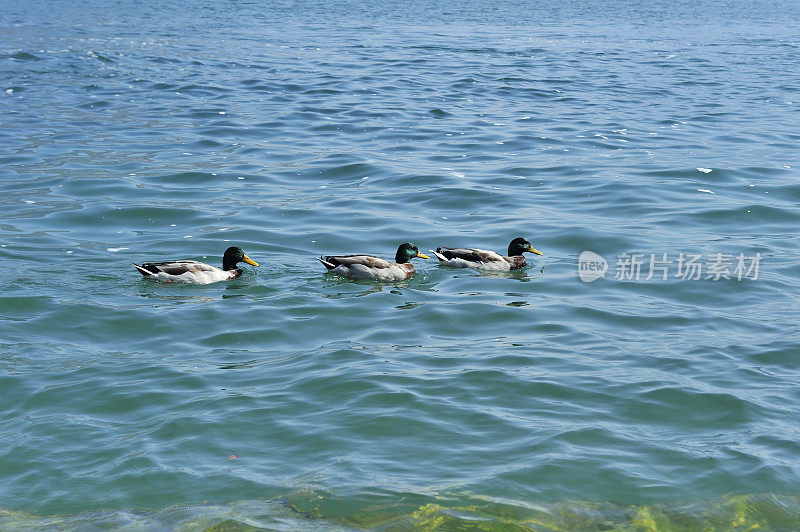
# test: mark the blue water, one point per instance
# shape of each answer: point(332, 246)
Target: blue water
point(288, 399)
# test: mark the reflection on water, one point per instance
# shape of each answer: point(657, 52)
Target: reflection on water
point(409, 305)
point(164, 299)
point(174, 294)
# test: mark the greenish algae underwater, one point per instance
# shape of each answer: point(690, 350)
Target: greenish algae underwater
point(314, 509)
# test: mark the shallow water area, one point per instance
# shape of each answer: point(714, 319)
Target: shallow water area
point(291, 399)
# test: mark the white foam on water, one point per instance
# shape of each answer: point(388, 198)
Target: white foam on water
point(115, 250)
point(705, 170)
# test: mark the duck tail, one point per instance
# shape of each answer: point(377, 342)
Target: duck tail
point(141, 270)
point(439, 254)
point(326, 263)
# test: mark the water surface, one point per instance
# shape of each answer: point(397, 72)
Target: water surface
point(289, 399)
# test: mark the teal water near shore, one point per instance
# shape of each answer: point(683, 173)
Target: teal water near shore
point(289, 399)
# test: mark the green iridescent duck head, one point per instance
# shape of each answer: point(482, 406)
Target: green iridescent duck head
point(233, 256)
point(406, 252)
point(518, 246)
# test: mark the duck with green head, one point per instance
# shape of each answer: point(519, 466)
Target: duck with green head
point(194, 272)
point(480, 259)
point(374, 268)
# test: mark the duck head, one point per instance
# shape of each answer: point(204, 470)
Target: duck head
point(519, 245)
point(406, 252)
point(233, 256)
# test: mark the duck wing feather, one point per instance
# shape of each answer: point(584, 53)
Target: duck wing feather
point(470, 254)
point(364, 260)
point(178, 267)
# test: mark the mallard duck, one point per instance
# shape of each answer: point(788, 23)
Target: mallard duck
point(192, 271)
point(480, 259)
point(374, 268)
